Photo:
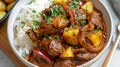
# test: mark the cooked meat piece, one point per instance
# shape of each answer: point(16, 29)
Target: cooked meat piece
point(80, 50)
point(44, 28)
point(53, 47)
point(86, 56)
point(39, 61)
point(96, 19)
point(45, 43)
point(38, 33)
point(46, 12)
point(79, 15)
point(48, 29)
point(63, 63)
point(32, 35)
point(90, 26)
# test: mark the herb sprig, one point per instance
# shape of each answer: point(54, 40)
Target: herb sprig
point(82, 22)
point(35, 24)
point(55, 11)
point(74, 4)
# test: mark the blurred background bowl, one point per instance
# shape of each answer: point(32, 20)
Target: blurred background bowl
point(9, 4)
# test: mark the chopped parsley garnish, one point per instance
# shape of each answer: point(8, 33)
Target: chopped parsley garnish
point(66, 30)
point(74, 4)
point(22, 22)
point(55, 11)
point(56, 37)
point(64, 45)
point(35, 24)
point(82, 22)
point(71, 26)
point(47, 36)
point(31, 1)
point(75, 47)
point(34, 11)
point(97, 30)
point(49, 20)
point(86, 7)
point(65, 18)
point(87, 42)
point(43, 15)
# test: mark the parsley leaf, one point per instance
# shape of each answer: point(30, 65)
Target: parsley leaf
point(82, 22)
point(74, 4)
point(66, 30)
point(71, 26)
point(49, 20)
point(55, 11)
point(31, 1)
point(47, 36)
point(43, 15)
point(22, 22)
point(97, 30)
point(35, 24)
point(34, 11)
point(86, 7)
point(56, 37)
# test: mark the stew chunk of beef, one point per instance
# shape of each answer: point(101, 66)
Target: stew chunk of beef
point(39, 61)
point(53, 47)
point(96, 19)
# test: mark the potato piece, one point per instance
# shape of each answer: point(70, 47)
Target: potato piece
point(60, 1)
point(59, 22)
point(95, 38)
point(67, 53)
point(2, 14)
point(10, 6)
point(2, 6)
point(71, 36)
point(9, 1)
point(88, 7)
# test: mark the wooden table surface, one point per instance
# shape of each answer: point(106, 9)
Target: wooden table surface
point(5, 46)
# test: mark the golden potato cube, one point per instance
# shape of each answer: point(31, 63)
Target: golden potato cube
point(88, 7)
point(59, 22)
point(60, 1)
point(95, 38)
point(71, 36)
point(67, 53)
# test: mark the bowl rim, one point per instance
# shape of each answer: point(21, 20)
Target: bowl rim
point(9, 33)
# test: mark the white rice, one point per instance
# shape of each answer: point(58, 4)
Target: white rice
point(28, 13)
